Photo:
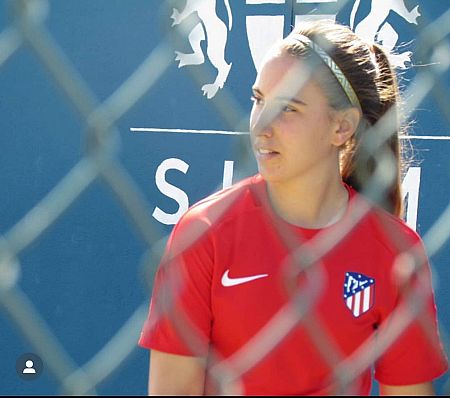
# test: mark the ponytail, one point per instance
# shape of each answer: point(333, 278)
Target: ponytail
point(390, 100)
point(358, 167)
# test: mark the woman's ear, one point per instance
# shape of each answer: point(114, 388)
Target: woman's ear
point(347, 124)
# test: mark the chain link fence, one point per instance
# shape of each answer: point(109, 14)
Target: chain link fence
point(27, 30)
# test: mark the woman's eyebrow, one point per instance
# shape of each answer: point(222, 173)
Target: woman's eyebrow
point(257, 91)
point(294, 100)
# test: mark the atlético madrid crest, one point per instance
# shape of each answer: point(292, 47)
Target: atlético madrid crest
point(359, 293)
point(373, 20)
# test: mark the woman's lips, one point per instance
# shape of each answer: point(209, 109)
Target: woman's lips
point(266, 154)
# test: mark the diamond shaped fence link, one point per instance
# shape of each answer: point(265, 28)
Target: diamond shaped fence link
point(101, 162)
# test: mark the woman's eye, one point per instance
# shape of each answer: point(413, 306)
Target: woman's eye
point(288, 108)
point(256, 100)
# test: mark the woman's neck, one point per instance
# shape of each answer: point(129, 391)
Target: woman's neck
point(312, 204)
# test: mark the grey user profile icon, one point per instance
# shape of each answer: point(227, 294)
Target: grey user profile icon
point(29, 366)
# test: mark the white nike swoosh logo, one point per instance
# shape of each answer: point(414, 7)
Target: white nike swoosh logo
point(227, 281)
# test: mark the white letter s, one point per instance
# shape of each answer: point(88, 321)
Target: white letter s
point(171, 191)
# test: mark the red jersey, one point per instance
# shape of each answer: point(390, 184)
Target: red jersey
point(229, 287)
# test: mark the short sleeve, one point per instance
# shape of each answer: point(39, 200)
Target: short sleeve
point(180, 316)
point(417, 355)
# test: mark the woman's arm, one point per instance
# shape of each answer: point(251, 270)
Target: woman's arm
point(176, 374)
point(413, 389)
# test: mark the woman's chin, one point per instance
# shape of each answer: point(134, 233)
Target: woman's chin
point(271, 175)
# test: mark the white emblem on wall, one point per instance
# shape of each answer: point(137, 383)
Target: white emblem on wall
point(214, 30)
point(263, 31)
point(375, 28)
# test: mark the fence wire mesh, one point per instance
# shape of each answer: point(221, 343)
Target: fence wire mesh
point(28, 31)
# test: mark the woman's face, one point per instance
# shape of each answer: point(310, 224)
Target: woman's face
point(291, 127)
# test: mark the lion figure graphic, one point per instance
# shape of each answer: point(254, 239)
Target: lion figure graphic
point(214, 30)
point(374, 26)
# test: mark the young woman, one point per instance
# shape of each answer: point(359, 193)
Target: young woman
point(250, 298)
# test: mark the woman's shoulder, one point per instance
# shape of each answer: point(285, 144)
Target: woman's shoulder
point(391, 224)
point(229, 202)
point(389, 229)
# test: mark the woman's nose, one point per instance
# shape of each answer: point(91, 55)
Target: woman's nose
point(263, 124)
